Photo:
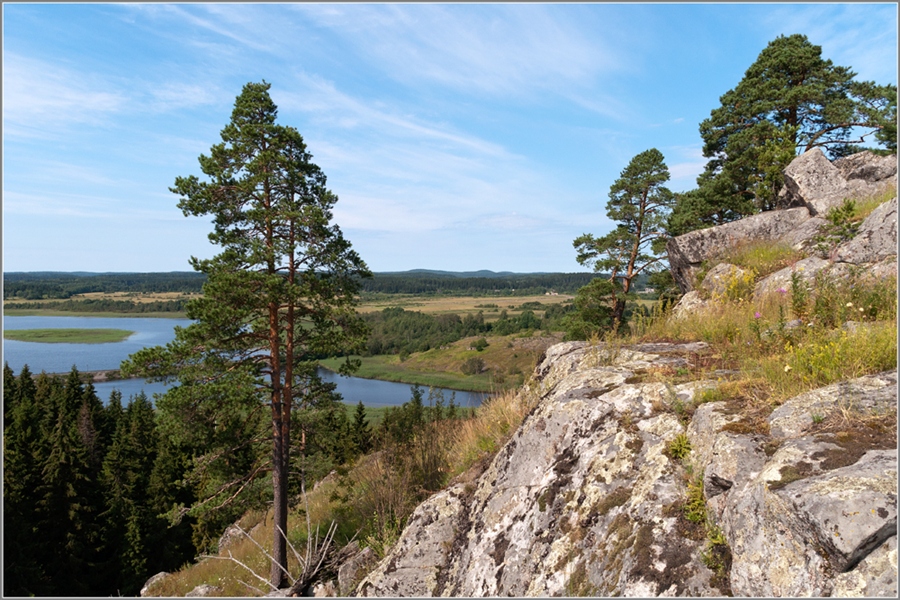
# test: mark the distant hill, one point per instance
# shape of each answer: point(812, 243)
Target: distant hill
point(459, 274)
point(62, 285)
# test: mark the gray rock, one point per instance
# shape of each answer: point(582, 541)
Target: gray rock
point(875, 240)
point(354, 569)
point(687, 252)
point(324, 590)
point(203, 590)
point(721, 277)
point(231, 535)
point(814, 180)
point(413, 566)
point(874, 577)
point(584, 499)
point(866, 165)
point(803, 237)
point(849, 511)
point(145, 591)
point(689, 304)
point(781, 280)
point(867, 395)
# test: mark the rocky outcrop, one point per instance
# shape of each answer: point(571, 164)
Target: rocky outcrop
point(588, 496)
point(813, 185)
point(687, 252)
point(811, 180)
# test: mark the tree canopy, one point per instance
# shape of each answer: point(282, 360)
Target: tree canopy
point(790, 100)
point(640, 202)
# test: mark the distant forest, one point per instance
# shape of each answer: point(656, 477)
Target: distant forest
point(62, 286)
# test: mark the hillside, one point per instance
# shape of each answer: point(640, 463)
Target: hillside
point(744, 444)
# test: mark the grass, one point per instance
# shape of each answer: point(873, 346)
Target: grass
point(506, 358)
point(763, 257)
point(67, 336)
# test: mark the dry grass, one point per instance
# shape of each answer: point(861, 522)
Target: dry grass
point(479, 438)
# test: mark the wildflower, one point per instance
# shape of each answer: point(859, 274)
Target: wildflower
point(781, 291)
point(849, 304)
point(787, 368)
point(861, 309)
point(756, 315)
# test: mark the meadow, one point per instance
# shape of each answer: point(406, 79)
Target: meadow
point(68, 336)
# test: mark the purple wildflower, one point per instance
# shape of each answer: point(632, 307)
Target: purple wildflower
point(756, 315)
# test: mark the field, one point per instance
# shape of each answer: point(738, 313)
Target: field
point(461, 305)
point(67, 336)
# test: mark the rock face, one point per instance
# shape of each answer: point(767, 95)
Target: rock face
point(587, 499)
point(813, 185)
point(688, 251)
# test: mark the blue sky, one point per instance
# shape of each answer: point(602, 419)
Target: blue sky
point(457, 136)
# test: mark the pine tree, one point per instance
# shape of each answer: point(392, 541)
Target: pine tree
point(640, 203)
point(280, 294)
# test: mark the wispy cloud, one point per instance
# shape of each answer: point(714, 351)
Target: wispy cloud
point(492, 49)
point(40, 98)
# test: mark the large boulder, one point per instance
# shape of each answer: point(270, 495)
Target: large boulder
point(687, 252)
point(813, 181)
point(875, 240)
point(581, 501)
point(867, 166)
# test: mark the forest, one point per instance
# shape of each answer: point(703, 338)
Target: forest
point(95, 493)
point(62, 286)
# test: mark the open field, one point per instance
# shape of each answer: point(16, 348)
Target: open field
point(67, 336)
point(461, 305)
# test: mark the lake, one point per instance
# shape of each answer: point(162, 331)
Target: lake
point(59, 358)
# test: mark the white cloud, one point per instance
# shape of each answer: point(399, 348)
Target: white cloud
point(500, 50)
point(39, 98)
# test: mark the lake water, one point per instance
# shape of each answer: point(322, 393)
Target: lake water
point(59, 358)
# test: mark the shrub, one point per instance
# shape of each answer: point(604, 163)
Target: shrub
point(473, 366)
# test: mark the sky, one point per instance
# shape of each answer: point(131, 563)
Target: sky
point(457, 137)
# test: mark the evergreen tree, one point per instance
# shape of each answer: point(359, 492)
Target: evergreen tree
point(69, 497)
point(790, 100)
point(23, 572)
point(640, 203)
point(128, 520)
point(362, 434)
point(280, 294)
point(9, 392)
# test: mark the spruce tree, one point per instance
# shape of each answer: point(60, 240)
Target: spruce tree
point(23, 572)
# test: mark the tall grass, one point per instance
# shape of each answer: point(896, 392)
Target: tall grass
point(794, 340)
